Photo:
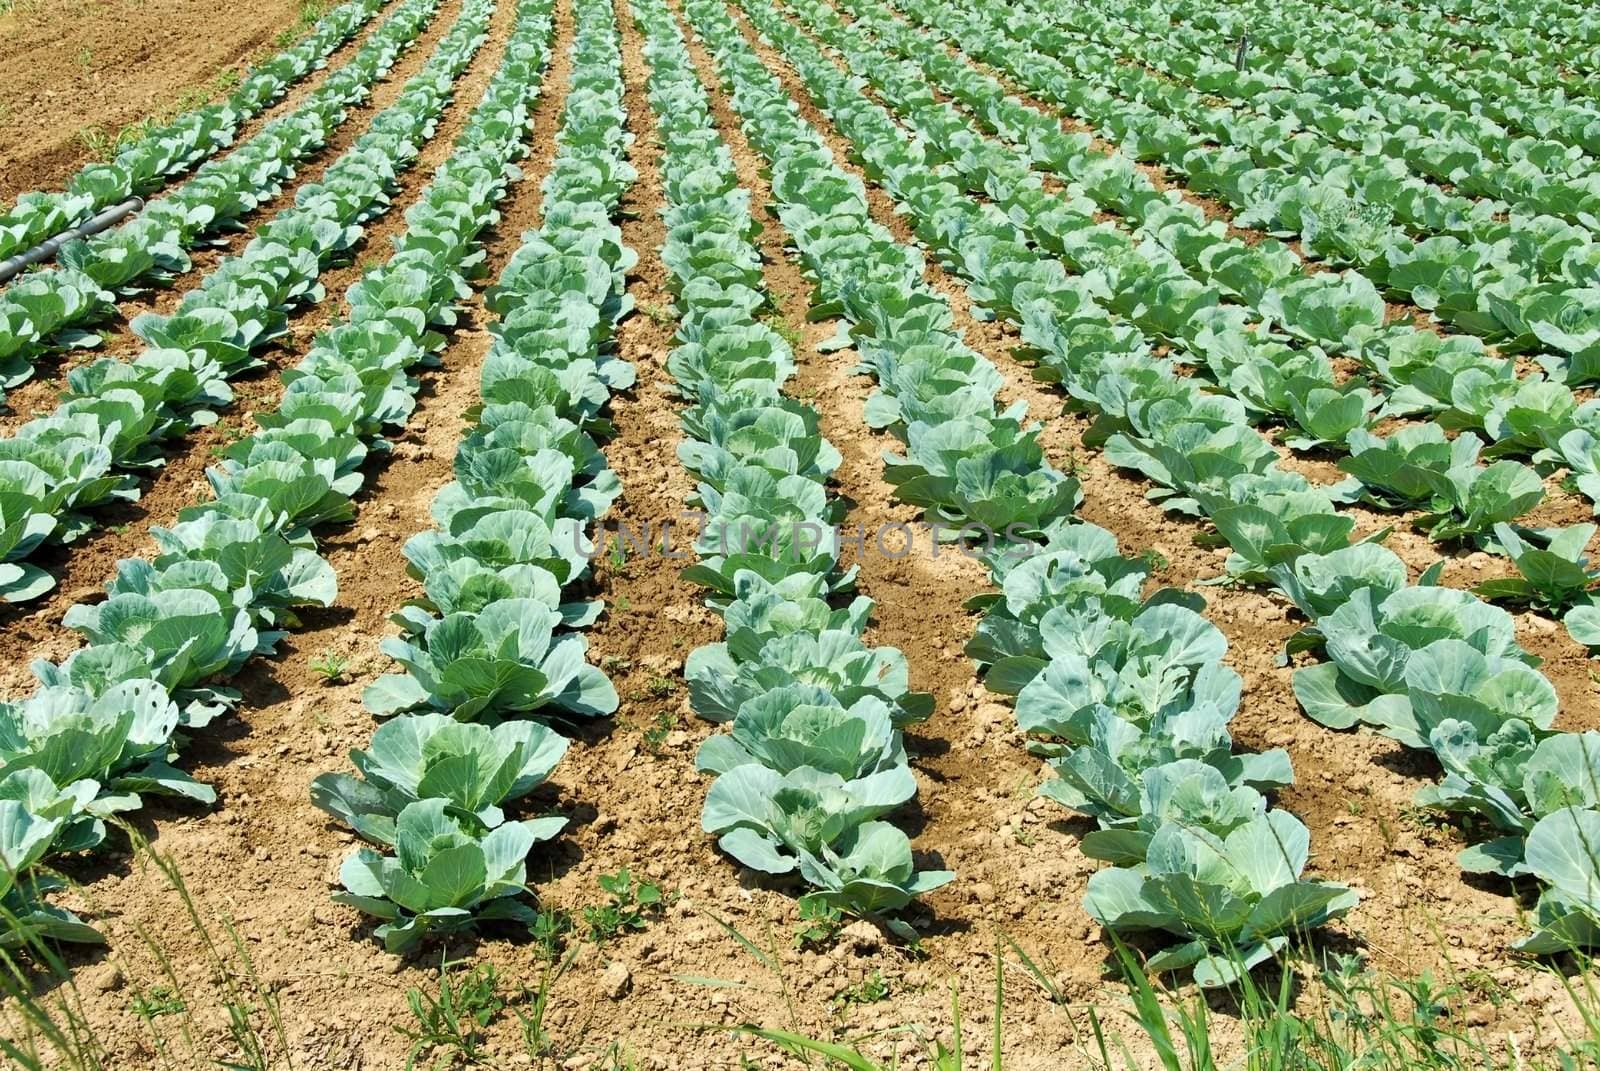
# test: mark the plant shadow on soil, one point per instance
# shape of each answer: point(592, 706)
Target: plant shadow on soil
point(1414, 765)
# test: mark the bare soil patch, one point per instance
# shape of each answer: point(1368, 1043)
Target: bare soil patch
point(68, 66)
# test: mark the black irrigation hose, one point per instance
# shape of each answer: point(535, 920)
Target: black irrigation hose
point(13, 266)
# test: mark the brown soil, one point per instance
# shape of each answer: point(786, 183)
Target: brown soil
point(68, 66)
point(265, 859)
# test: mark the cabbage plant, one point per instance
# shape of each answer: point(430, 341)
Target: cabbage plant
point(1562, 852)
point(503, 659)
point(1164, 659)
point(1553, 572)
point(475, 769)
point(25, 838)
point(721, 681)
point(1405, 662)
point(1234, 899)
point(822, 826)
point(804, 725)
point(119, 739)
point(180, 636)
point(445, 876)
point(1511, 777)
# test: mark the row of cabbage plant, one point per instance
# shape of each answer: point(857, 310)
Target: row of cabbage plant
point(1261, 376)
point(49, 309)
point(115, 416)
point(490, 661)
point(1432, 667)
point(1133, 701)
point(145, 164)
point(106, 724)
point(1129, 700)
point(813, 760)
point(1523, 281)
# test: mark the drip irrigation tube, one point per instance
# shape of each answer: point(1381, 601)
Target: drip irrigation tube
point(46, 249)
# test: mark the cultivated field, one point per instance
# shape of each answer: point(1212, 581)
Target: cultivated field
point(866, 533)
